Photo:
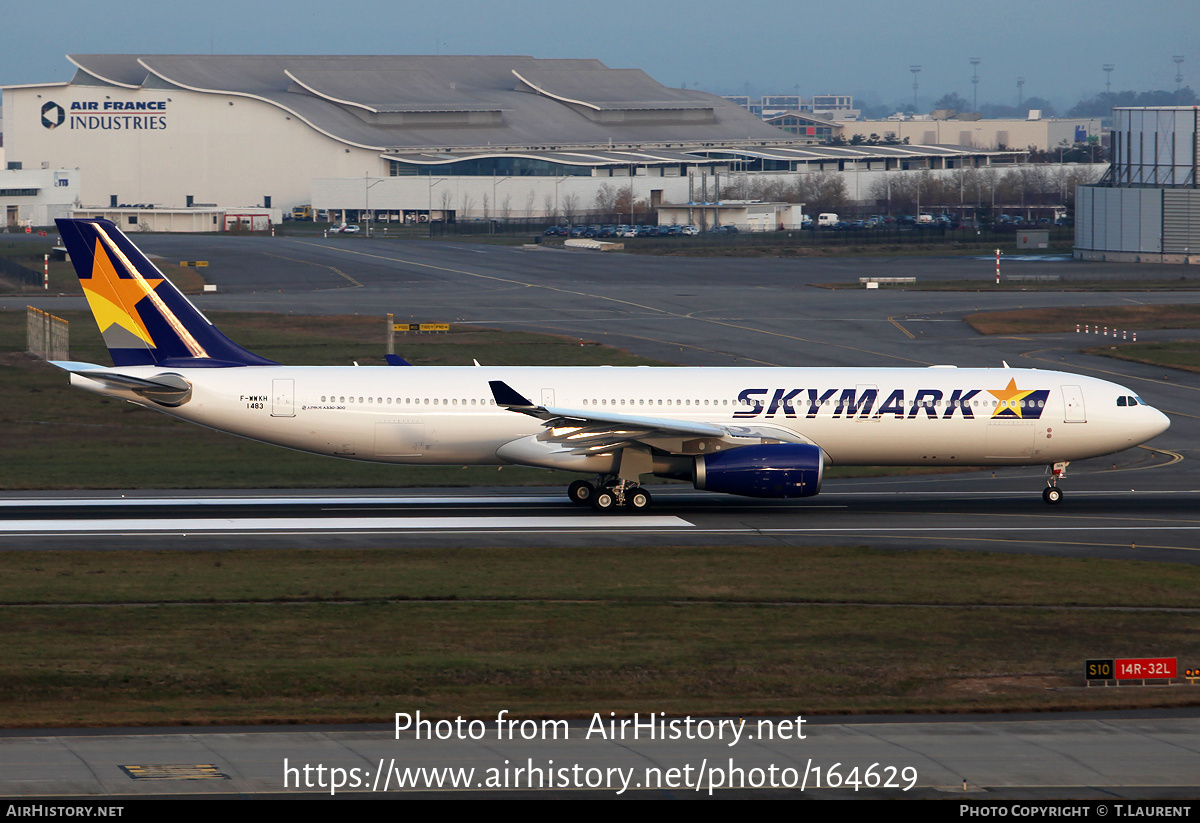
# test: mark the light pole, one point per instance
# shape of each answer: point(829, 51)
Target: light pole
point(367, 186)
point(915, 71)
point(430, 215)
point(495, 204)
point(975, 61)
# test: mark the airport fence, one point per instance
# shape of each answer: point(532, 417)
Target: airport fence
point(1060, 237)
point(998, 236)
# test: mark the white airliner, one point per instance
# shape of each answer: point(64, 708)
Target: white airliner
point(761, 432)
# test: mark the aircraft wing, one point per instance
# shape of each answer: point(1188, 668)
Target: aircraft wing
point(588, 431)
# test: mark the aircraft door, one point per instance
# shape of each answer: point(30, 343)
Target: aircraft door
point(1073, 410)
point(547, 397)
point(283, 392)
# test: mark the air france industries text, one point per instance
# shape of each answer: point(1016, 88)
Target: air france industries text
point(118, 122)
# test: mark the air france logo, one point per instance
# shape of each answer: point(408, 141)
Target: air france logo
point(52, 115)
point(862, 403)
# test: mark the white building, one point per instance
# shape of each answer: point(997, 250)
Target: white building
point(34, 197)
point(994, 135)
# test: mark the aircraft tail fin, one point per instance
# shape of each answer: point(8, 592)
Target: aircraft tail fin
point(143, 318)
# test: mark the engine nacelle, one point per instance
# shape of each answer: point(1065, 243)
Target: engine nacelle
point(778, 470)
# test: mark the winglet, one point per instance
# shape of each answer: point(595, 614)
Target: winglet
point(505, 395)
point(396, 360)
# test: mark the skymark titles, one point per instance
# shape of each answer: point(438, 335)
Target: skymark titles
point(1010, 403)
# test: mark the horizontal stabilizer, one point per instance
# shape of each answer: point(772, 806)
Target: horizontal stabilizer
point(167, 389)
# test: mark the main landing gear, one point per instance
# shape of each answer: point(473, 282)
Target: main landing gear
point(1052, 494)
point(609, 494)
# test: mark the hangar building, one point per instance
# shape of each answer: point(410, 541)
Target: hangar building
point(402, 135)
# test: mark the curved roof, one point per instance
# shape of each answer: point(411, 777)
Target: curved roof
point(406, 103)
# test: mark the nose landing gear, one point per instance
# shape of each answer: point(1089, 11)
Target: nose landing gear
point(1052, 494)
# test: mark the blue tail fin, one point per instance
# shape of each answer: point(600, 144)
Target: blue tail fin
point(143, 318)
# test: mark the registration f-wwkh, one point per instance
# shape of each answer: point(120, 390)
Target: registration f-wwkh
point(760, 432)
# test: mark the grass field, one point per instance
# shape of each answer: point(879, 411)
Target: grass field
point(986, 282)
point(1045, 321)
point(341, 636)
point(1181, 354)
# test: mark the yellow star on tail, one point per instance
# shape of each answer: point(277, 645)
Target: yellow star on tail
point(113, 299)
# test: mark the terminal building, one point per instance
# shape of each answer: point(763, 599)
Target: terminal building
point(1146, 207)
point(407, 138)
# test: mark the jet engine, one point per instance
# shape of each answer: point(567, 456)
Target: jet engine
point(776, 470)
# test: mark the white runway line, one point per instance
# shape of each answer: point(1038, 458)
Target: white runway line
point(60, 502)
point(335, 524)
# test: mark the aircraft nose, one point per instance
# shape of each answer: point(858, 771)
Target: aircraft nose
point(1156, 423)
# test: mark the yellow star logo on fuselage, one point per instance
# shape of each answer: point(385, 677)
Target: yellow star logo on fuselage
point(1010, 399)
point(113, 299)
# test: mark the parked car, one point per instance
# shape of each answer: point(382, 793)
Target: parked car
point(346, 228)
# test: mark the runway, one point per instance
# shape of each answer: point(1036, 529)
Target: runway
point(1108, 512)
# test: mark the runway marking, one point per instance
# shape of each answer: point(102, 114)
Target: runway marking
point(53, 502)
point(318, 265)
point(303, 525)
point(894, 322)
point(1175, 458)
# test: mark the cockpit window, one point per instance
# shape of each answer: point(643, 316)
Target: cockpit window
point(1122, 400)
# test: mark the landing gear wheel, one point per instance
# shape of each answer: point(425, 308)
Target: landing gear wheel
point(581, 492)
point(604, 500)
point(637, 500)
point(1052, 495)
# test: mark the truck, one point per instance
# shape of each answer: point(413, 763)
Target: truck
point(302, 212)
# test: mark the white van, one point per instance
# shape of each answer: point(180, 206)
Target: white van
point(827, 219)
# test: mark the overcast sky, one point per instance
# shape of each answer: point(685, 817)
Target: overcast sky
point(859, 47)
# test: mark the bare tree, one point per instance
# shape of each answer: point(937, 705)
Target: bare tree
point(570, 204)
point(606, 201)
